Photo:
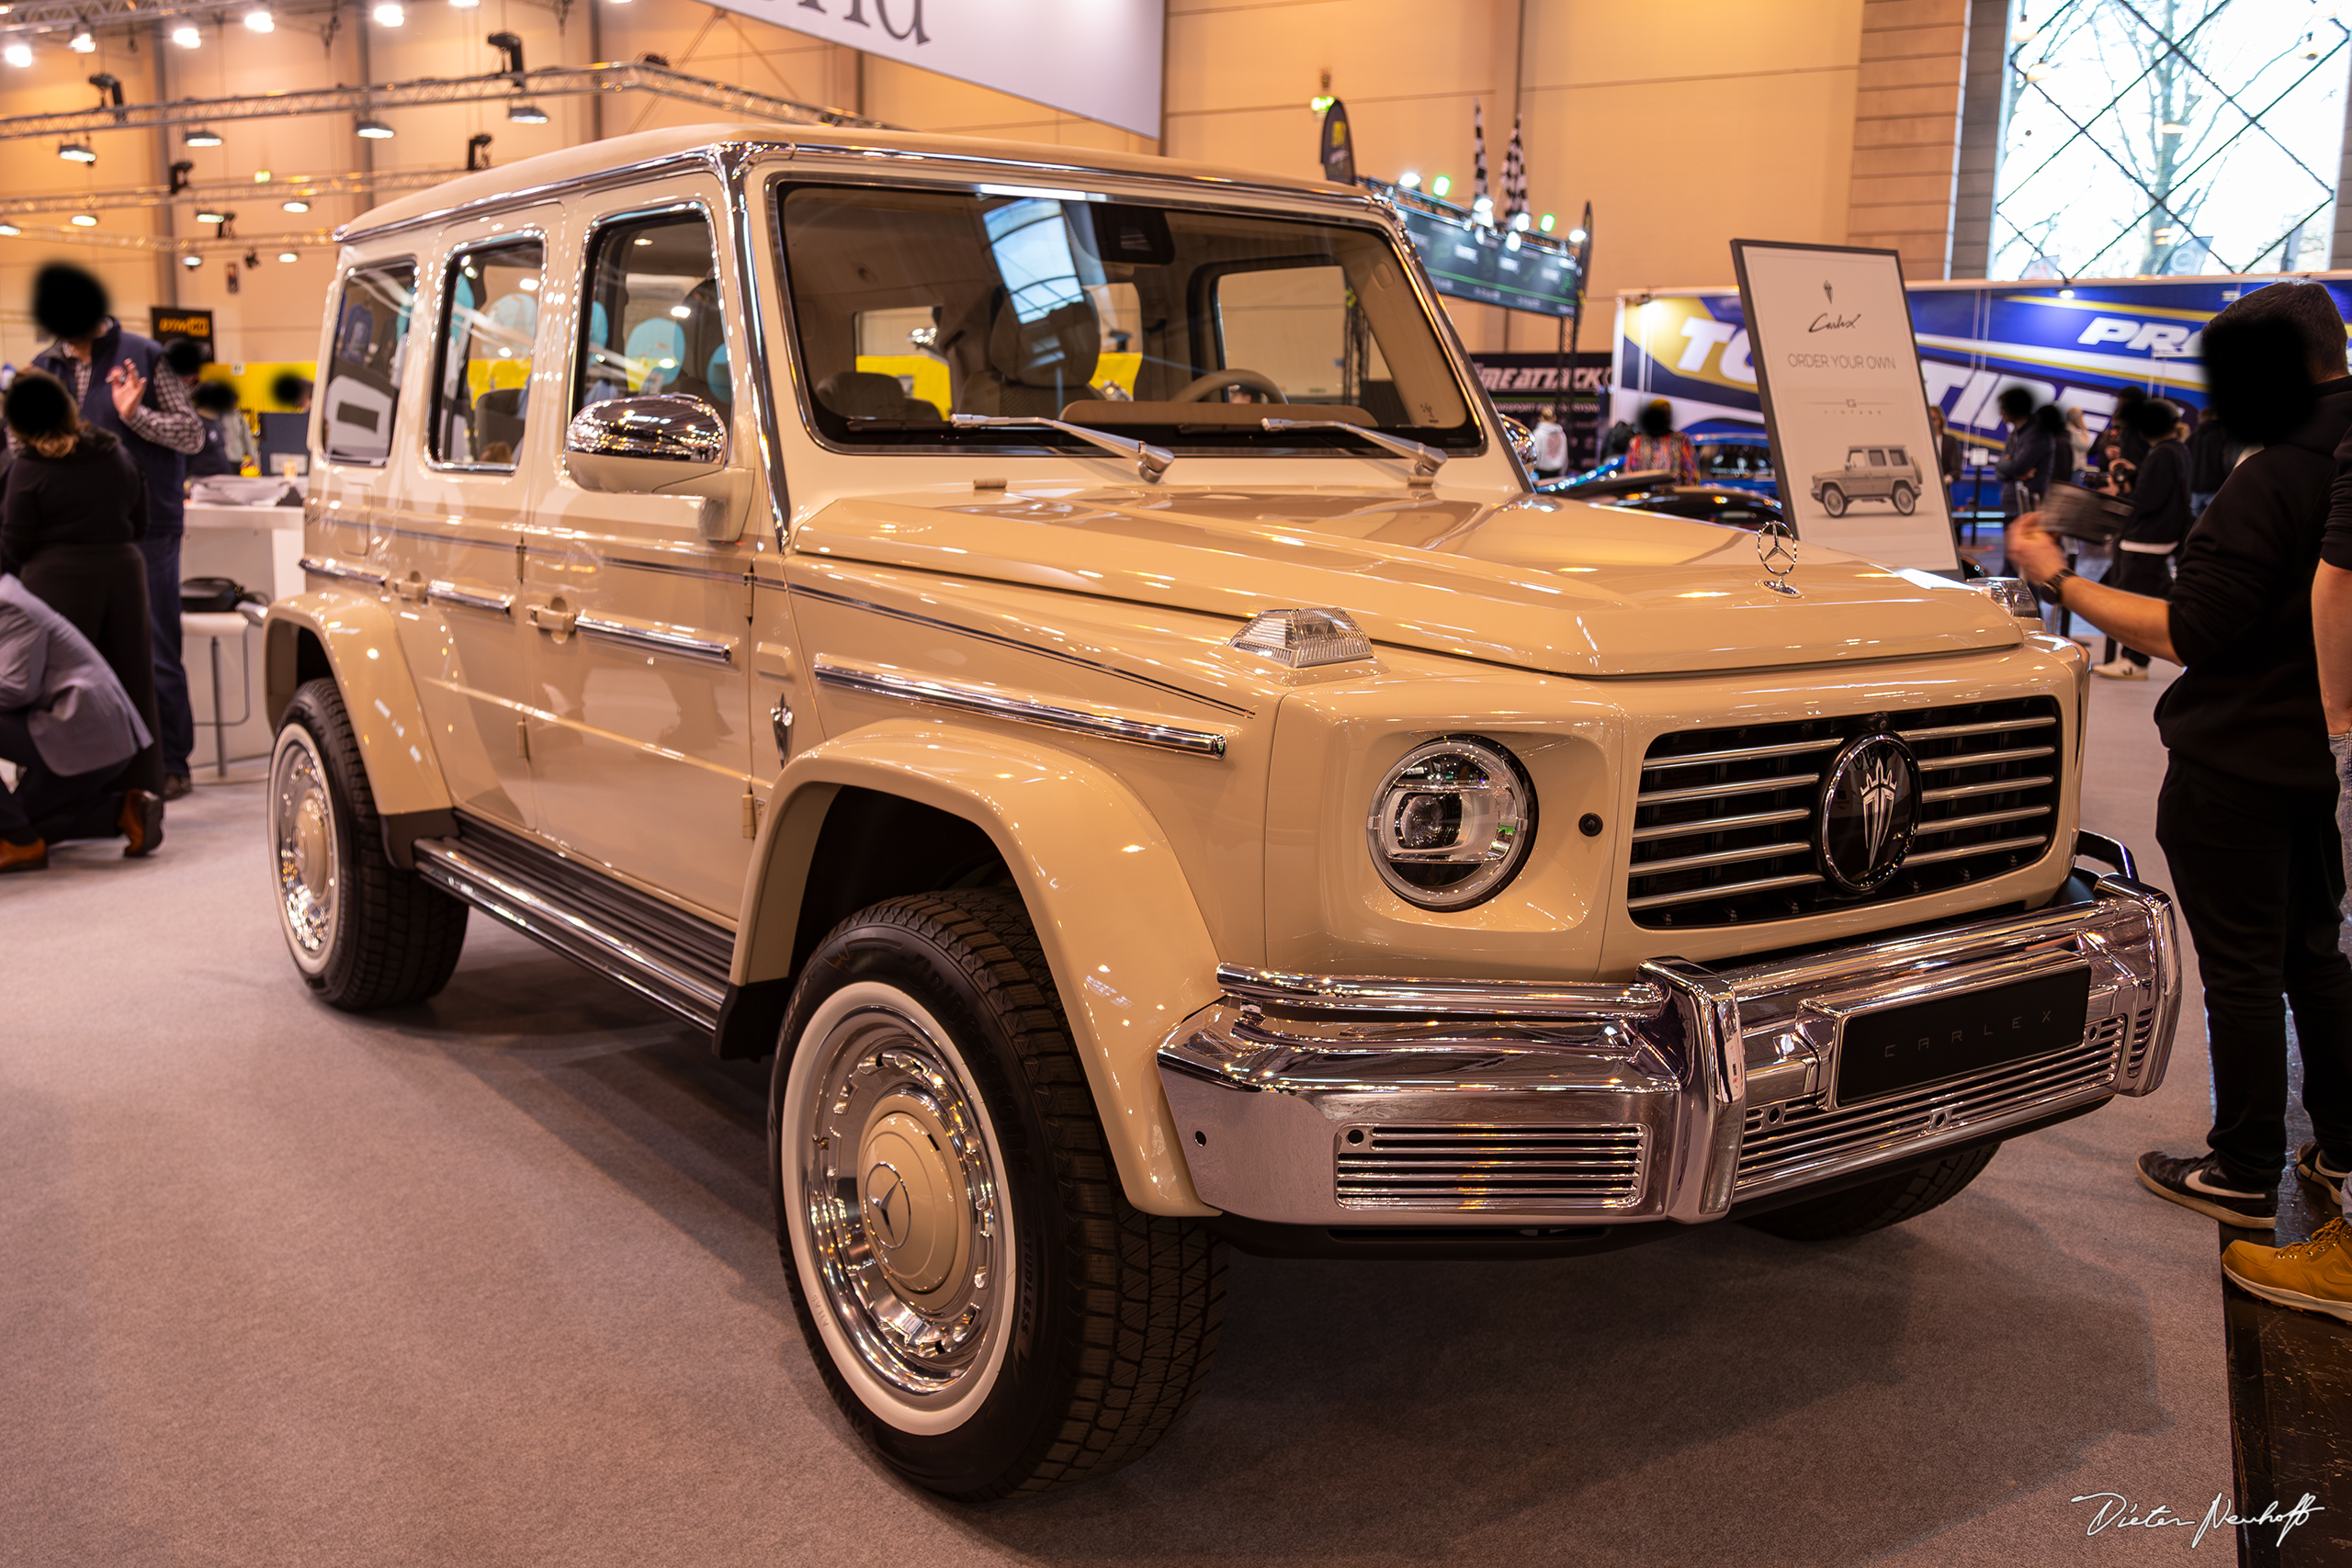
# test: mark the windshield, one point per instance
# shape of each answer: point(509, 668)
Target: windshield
point(1183, 327)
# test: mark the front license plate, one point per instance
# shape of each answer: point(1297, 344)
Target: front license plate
point(1922, 1042)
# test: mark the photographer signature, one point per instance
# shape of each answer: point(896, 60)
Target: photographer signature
point(2116, 1510)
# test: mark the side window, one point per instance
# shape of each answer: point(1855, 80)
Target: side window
point(650, 315)
point(363, 385)
point(481, 385)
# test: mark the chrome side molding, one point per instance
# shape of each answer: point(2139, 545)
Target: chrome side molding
point(657, 638)
point(994, 703)
point(319, 565)
point(439, 593)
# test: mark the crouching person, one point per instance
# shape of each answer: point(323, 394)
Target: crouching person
point(67, 724)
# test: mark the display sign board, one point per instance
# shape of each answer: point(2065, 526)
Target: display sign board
point(1524, 384)
point(1520, 270)
point(165, 324)
point(1096, 58)
point(1838, 372)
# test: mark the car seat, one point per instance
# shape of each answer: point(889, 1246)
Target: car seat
point(1035, 368)
point(868, 394)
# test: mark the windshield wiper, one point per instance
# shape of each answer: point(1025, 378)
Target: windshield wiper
point(1150, 461)
point(1426, 460)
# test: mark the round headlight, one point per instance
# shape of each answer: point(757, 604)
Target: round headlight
point(1451, 823)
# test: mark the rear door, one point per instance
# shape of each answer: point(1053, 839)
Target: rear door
point(460, 507)
point(641, 744)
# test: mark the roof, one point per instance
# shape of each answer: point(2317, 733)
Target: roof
point(646, 146)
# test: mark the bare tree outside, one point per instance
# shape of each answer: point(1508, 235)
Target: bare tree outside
point(2167, 137)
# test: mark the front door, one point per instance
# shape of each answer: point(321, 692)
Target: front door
point(640, 744)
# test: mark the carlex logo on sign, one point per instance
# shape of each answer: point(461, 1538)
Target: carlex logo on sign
point(1096, 58)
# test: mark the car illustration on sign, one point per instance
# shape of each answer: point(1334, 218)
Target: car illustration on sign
point(1871, 473)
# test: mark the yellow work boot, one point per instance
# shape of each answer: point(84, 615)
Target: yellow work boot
point(2310, 1276)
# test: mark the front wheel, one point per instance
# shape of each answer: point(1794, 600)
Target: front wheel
point(362, 932)
point(984, 1304)
point(1907, 500)
point(1833, 501)
point(1874, 1205)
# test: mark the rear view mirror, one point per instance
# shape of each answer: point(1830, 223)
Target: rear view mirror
point(667, 444)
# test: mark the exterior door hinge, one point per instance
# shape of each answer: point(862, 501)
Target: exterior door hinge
point(751, 597)
point(523, 739)
point(751, 815)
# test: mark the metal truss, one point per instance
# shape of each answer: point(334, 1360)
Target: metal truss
point(167, 244)
point(222, 195)
point(550, 82)
point(63, 16)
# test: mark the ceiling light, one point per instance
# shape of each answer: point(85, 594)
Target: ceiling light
point(526, 113)
point(202, 137)
point(1408, 180)
point(261, 21)
point(1575, 236)
point(1521, 222)
point(187, 37)
point(1544, 223)
point(389, 14)
point(296, 205)
point(527, 284)
point(464, 5)
point(286, 256)
point(84, 220)
point(1321, 102)
point(191, 259)
point(375, 130)
point(211, 215)
point(84, 41)
point(17, 54)
point(1441, 184)
point(77, 153)
point(9, 231)
point(682, 312)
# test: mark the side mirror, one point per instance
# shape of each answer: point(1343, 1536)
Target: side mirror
point(667, 444)
point(1522, 440)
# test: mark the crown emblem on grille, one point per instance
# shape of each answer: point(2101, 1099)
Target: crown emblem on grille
point(1870, 808)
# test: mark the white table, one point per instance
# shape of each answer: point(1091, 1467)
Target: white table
point(261, 546)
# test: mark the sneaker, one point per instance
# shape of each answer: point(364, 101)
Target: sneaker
point(2310, 1276)
point(2196, 1182)
point(2314, 1169)
point(2121, 670)
point(177, 786)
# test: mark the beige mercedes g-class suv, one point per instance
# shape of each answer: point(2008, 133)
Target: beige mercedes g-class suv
point(1058, 650)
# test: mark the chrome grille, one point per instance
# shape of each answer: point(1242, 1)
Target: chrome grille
point(1516, 1166)
point(1799, 1137)
point(2143, 1029)
point(1724, 824)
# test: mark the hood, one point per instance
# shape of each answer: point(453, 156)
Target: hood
point(1537, 582)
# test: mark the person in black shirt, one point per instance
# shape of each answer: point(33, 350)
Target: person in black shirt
point(2246, 814)
point(2159, 521)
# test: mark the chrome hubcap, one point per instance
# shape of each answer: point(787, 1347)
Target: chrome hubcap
point(303, 841)
point(902, 1204)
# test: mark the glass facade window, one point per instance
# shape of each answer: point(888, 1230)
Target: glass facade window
point(2155, 137)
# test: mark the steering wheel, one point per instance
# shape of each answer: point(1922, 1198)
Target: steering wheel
point(1218, 381)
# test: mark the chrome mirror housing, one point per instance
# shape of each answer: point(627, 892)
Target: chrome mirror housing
point(1522, 440)
point(669, 444)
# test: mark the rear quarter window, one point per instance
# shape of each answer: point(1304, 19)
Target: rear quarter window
point(364, 361)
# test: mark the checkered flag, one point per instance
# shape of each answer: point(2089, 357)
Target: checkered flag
point(1514, 178)
point(1478, 130)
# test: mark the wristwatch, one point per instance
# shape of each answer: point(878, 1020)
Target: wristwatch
point(2054, 590)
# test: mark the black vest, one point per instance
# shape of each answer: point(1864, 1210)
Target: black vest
point(162, 468)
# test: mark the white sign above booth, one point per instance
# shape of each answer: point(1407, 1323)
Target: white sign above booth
point(1096, 58)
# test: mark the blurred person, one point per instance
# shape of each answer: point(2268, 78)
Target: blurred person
point(123, 386)
point(2212, 455)
point(2079, 438)
point(2159, 521)
point(67, 725)
point(2028, 461)
point(1551, 444)
point(72, 514)
point(228, 443)
point(2247, 814)
point(1662, 447)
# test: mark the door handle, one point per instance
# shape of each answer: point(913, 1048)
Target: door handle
point(553, 618)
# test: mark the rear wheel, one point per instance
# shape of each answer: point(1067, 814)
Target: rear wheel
point(984, 1304)
point(1905, 499)
point(1833, 501)
point(362, 932)
point(1874, 1205)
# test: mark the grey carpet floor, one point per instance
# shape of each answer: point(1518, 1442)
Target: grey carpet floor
point(492, 1281)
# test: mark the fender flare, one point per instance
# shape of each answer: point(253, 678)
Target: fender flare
point(361, 642)
point(1123, 935)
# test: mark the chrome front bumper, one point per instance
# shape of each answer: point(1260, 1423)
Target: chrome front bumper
point(1329, 1101)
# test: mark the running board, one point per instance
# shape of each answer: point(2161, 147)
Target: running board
point(669, 957)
